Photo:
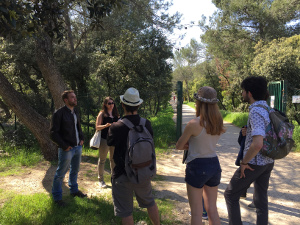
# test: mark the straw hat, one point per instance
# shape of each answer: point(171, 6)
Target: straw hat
point(131, 97)
point(207, 94)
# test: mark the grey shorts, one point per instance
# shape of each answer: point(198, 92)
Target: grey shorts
point(122, 193)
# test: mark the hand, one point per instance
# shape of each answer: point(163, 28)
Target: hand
point(186, 146)
point(244, 131)
point(243, 168)
point(81, 142)
point(68, 149)
point(108, 125)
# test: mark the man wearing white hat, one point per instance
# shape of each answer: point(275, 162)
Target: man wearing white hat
point(122, 188)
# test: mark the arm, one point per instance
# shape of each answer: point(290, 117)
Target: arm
point(182, 143)
point(81, 137)
point(254, 148)
point(110, 136)
point(55, 131)
point(99, 122)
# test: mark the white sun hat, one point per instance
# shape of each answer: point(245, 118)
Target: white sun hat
point(131, 97)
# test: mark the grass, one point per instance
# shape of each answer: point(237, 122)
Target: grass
point(236, 118)
point(15, 158)
point(191, 104)
point(164, 130)
point(39, 208)
point(296, 137)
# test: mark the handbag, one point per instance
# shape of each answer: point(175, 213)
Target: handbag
point(95, 140)
point(185, 155)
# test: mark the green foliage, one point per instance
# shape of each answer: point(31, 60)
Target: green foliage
point(164, 128)
point(13, 159)
point(20, 137)
point(191, 104)
point(279, 60)
point(236, 118)
point(40, 209)
point(296, 137)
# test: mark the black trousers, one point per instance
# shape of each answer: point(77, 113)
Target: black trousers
point(237, 186)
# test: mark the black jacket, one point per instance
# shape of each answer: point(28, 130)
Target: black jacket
point(62, 131)
point(117, 136)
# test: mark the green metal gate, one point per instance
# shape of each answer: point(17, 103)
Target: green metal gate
point(278, 95)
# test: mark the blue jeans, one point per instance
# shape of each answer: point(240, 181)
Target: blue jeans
point(70, 159)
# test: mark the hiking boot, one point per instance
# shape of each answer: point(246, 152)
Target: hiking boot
point(60, 203)
point(204, 216)
point(251, 205)
point(79, 194)
point(102, 184)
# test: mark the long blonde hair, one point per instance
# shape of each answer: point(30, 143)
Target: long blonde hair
point(210, 117)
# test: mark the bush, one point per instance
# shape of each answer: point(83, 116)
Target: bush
point(164, 128)
point(296, 137)
point(236, 118)
point(21, 137)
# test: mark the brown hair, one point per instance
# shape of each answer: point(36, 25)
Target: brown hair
point(130, 108)
point(64, 95)
point(210, 117)
point(115, 112)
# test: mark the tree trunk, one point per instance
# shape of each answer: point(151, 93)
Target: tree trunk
point(50, 72)
point(38, 125)
point(6, 110)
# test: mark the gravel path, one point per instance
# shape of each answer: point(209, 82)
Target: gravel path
point(284, 190)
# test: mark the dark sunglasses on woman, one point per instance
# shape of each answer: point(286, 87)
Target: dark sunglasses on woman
point(110, 103)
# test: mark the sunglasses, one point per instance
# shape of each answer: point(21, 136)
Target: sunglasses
point(110, 103)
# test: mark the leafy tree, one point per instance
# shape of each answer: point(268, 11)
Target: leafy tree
point(184, 61)
point(237, 27)
point(279, 60)
point(58, 66)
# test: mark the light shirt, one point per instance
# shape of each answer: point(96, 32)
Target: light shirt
point(258, 120)
point(202, 146)
point(76, 130)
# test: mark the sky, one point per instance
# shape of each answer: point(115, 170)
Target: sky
point(191, 10)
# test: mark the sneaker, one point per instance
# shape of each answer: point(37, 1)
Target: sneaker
point(204, 216)
point(102, 184)
point(251, 206)
point(79, 194)
point(60, 203)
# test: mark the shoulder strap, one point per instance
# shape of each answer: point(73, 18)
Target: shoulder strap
point(127, 122)
point(263, 106)
point(143, 121)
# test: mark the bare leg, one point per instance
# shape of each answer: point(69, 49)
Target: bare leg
point(153, 214)
point(210, 200)
point(195, 201)
point(127, 220)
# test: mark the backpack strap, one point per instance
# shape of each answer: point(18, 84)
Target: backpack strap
point(263, 106)
point(143, 121)
point(127, 122)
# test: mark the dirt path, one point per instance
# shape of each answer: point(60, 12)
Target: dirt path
point(284, 191)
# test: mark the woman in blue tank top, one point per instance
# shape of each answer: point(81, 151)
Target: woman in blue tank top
point(203, 171)
point(108, 115)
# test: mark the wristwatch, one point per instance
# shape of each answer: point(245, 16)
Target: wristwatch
point(242, 163)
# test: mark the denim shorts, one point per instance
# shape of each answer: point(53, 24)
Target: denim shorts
point(203, 171)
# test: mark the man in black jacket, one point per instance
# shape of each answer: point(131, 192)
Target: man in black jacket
point(67, 134)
